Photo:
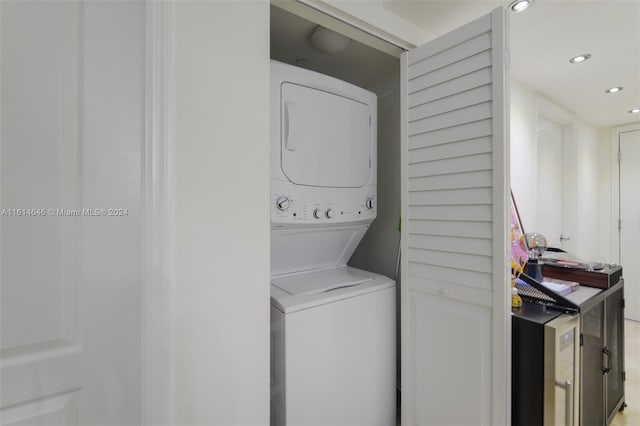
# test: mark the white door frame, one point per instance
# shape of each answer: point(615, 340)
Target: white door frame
point(336, 19)
point(615, 188)
point(156, 291)
point(340, 21)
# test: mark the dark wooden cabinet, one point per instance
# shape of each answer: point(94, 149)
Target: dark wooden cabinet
point(602, 359)
point(602, 375)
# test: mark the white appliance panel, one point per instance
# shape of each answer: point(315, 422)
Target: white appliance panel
point(325, 138)
point(323, 149)
point(295, 205)
point(340, 363)
point(294, 250)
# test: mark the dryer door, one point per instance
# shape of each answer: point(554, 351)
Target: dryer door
point(325, 138)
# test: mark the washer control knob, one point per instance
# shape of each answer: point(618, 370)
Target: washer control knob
point(329, 214)
point(282, 203)
point(317, 214)
point(369, 203)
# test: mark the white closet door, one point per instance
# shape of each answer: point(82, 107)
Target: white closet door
point(550, 183)
point(630, 221)
point(455, 304)
point(72, 77)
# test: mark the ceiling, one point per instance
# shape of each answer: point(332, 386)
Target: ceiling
point(289, 44)
point(543, 39)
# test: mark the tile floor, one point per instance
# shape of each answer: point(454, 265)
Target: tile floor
point(631, 414)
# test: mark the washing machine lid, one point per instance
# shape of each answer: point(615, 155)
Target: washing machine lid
point(313, 248)
point(297, 292)
point(325, 138)
point(321, 281)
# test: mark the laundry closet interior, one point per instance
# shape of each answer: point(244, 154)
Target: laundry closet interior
point(377, 72)
point(374, 70)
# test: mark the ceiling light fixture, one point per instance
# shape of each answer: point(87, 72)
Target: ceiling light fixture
point(634, 111)
point(580, 58)
point(327, 41)
point(520, 5)
point(614, 89)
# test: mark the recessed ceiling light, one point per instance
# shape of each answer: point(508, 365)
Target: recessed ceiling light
point(634, 111)
point(520, 5)
point(580, 58)
point(614, 89)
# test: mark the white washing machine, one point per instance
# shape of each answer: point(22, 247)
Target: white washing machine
point(333, 327)
point(333, 349)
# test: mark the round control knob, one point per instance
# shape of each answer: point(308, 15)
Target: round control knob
point(282, 203)
point(317, 214)
point(329, 214)
point(369, 203)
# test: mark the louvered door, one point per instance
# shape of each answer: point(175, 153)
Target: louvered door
point(455, 294)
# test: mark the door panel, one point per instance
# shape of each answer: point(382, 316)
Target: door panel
point(42, 158)
point(41, 101)
point(630, 220)
point(314, 154)
point(451, 103)
point(550, 182)
point(591, 407)
point(72, 110)
point(471, 80)
point(56, 410)
point(457, 134)
point(438, 349)
point(454, 294)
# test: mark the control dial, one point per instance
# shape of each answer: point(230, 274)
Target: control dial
point(317, 214)
point(282, 203)
point(369, 203)
point(329, 214)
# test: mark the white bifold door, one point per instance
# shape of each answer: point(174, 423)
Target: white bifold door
point(455, 286)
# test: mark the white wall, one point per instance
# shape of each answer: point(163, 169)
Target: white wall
point(585, 175)
point(589, 200)
point(219, 216)
point(379, 248)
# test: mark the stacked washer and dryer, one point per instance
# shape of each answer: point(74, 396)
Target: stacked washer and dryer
point(333, 343)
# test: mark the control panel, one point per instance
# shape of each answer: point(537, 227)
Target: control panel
point(296, 205)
